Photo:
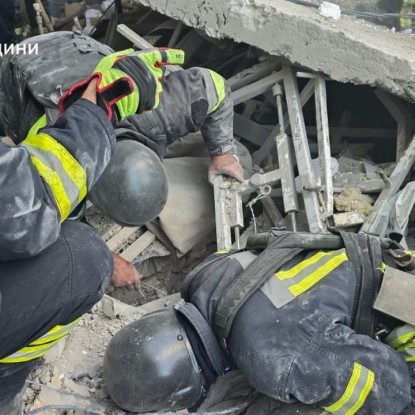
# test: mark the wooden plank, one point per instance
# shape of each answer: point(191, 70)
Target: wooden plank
point(120, 237)
point(138, 246)
point(111, 232)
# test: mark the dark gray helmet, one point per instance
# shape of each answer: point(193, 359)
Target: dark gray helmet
point(133, 188)
point(150, 366)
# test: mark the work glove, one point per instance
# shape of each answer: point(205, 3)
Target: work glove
point(128, 82)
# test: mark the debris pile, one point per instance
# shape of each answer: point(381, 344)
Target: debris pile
point(319, 155)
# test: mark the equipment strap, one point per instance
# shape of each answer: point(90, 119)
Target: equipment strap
point(363, 251)
point(235, 296)
point(365, 254)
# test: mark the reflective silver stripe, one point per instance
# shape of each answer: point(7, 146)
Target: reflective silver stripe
point(289, 283)
point(244, 258)
point(52, 335)
point(400, 335)
point(356, 392)
point(312, 268)
point(408, 354)
point(39, 347)
point(49, 159)
point(277, 292)
point(211, 92)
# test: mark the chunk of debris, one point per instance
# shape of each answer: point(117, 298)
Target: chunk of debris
point(330, 10)
point(353, 200)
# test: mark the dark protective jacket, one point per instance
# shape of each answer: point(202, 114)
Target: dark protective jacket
point(192, 100)
point(47, 175)
point(32, 85)
point(292, 338)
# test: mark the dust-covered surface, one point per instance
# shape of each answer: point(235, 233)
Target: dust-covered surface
point(348, 50)
point(72, 372)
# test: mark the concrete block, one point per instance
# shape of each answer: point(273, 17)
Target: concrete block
point(347, 50)
point(55, 352)
point(159, 304)
point(330, 10)
point(113, 308)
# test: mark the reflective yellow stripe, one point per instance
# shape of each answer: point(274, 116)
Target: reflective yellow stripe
point(406, 346)
point(292, 272)
point(39, 347)
point(407, 7)
point(53, 180)
point(224, 251)
point(317, 275)
point(56, 333)
point(364, 394)
point(69, 188)
point(356, 392)
point(40, 123)
point(383, 267)
point(402, 339)
point(219, 83)
point(348, 392)
point(400, 336)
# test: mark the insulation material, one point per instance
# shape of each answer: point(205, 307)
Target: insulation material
point(353, 200)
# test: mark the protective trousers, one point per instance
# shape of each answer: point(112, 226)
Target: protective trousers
point(306, 351)
point(41, 298)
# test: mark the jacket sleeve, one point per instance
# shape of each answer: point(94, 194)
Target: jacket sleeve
point(47, 175)
point(195, 99)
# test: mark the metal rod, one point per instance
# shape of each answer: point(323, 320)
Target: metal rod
point(38, 18)
point(45, 16)
point(175, 36)
point(323, 138)
point(302, 151)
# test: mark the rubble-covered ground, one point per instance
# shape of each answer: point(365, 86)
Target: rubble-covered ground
point(369, 129)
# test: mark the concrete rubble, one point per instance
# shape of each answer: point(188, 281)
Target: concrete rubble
point(359, 53)
point(319, 154)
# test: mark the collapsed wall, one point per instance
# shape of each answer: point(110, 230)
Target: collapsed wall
point(347, 50)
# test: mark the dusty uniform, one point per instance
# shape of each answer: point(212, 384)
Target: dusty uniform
point(192, 100)
point(51, 271)
point(292, 337)
point(63, 270)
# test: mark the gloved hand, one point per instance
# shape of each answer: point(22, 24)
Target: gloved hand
point(128, 81)
point(228, 164)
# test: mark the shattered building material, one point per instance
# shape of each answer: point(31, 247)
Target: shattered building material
point(276, 168)
point(377, 222)
point(347, 50)
point(352, 200)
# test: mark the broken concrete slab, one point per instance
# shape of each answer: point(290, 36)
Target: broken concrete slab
point(347, 50)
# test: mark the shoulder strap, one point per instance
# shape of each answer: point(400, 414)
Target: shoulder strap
point(364, 253)
point(235, 296)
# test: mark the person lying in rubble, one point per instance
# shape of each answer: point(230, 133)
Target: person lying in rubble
point(297, 322)
point(54, 269)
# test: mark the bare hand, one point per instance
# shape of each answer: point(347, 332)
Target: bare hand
point(227, 164)
point(91, 92)
point(125, 274)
